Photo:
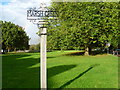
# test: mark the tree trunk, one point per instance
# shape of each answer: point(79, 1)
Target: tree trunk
point(86, 51)
point(0, 51)
point(8, 50)
point(3, 51)
point(90, 51)
point(15, 50)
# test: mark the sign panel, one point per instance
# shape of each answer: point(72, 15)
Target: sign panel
point(33, 14)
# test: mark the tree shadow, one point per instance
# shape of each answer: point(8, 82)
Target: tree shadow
point(50, 57)
point(93, 53)
point(58, 69)
point(81, 74)
point(97, 52)
point(21, 73)
point(74, 54)
point(16, 74)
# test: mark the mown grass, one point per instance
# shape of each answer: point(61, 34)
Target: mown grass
point(64, 71)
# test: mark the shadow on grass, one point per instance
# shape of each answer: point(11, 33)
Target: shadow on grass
point(50, 57)
point(97, 52)
point(81, 74)
point(16, 74)
point(74, 54)
point(82, 53)
point(59, 69)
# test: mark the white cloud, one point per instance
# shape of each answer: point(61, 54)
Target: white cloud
point(31, 30)
point(15, 11)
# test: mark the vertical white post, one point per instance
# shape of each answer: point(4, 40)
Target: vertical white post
point(43, 58)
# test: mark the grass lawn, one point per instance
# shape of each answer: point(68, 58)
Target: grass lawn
point(64, 70)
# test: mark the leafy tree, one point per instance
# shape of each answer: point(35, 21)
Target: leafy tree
point(35, 47)
point(13, 36)
point(84, 24)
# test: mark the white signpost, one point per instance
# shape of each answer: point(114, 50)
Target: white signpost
point(43, 58)
point(36, 16)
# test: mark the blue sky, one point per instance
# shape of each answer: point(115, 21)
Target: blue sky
point(15, 11)
point(5, 2)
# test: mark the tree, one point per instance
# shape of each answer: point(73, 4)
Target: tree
point(35, 47)
point(84, 24)
point(13, 36)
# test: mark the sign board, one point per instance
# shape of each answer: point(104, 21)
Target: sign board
point(33, 14)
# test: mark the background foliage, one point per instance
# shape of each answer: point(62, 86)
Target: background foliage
point(84, 25)
point(13, 36)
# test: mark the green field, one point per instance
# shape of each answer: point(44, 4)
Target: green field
point(65, 70)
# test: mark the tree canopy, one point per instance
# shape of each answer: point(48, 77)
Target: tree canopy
point(13, 36)
point(84, 25)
